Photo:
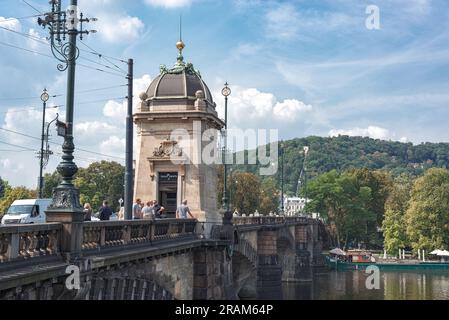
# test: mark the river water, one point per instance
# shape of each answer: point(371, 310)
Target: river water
point(350, 285)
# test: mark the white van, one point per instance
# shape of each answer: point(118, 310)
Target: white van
point(26, 211)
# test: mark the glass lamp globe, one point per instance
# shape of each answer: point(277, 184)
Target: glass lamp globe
point(45, 96)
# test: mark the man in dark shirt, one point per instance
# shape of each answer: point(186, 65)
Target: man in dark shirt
point(105, 211)
point(157, 209)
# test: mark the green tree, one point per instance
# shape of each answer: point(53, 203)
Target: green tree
point(343, 203)
point(4, 186)
point(269, 197)
point(380, 183)
point(50, 181)
point(395, 225)
point(427, 215)
point(246, 192)
point(101, 181)
point(13, 194)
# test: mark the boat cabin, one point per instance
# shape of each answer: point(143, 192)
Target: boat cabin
point(358, 256)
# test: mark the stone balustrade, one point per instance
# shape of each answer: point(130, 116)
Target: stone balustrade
point(270, 220)
point(20, 242)
point(119, 233)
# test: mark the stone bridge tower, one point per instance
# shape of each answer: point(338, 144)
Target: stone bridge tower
point(172, 116)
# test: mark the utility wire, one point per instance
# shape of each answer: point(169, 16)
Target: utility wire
point(32, 7)
point(17, 146)
point(21, 18)
point(54, 143)
point(28, 109)
point(95, 52)
point(61, 95)
point(48, 56)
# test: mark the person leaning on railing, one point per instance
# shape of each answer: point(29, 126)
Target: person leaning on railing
point(183, 210)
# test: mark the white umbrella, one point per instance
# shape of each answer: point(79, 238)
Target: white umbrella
point(443, 253)
point(437, 252)
point(338, 252)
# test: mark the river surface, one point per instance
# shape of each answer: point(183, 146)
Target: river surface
point(350, 285)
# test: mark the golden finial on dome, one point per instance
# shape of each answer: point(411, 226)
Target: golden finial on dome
point(180, 45)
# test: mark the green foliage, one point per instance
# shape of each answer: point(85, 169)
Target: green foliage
point(51, 181)
point(269, 197)
point(101, 181)
point(344, 153)
point(427, 216)
point(98, 182)
point(346, 202)
point(396, 205)
point(12, 194)
point(246, 192)
point(4, 186)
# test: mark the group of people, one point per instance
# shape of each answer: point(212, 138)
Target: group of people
point(150, 210)
point(105, 212)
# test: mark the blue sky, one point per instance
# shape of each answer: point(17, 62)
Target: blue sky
point(303, 67)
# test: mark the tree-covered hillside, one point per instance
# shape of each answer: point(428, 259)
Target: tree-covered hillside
point(344, 152)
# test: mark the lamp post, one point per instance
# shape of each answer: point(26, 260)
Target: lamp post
point(226, 92)
point(65, 207)
point(44, 99)
point(282, 177)
point(61, 24)
point(306, 151)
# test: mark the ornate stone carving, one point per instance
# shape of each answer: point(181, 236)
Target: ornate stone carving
point(168, 148)
point(65, 199)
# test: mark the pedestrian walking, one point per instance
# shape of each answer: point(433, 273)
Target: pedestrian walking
point(183, 210)
point(105, 211)
point(87, 212)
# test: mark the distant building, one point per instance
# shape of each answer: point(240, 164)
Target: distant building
point(294, 206)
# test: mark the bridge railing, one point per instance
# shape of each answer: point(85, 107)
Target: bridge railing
point(269, 220)
point(118, 233)
point(22, 242)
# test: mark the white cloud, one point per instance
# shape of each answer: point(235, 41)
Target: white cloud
point(113, 146)
point(114, 28)
point(373, 132)
point(282, 22)
point(288, 110)
point(245, 49)
point(93, 128)
point(169, 3)
point(260, 106)
point(10, 23)
point(115, 110)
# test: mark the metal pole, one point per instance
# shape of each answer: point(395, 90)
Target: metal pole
point(67, 168)
point(129, 145)
point(225, 174)
point(282, 178)
point(305, 184)
point(44, 105)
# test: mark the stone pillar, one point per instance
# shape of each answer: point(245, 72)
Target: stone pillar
point(303, 270)
point(210, 273)
point(66, 209)
point(269, 272)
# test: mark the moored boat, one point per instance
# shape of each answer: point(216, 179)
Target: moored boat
point(360, 260)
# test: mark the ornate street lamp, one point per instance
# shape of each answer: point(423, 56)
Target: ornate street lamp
point(226, 92)
point(62, 24)
point(65, 207)
point(44, 99)
point(282, 177)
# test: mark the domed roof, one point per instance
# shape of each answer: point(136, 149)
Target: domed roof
point(180, 82)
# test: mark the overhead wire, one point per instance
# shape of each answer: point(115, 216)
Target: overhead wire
point(54, 143)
